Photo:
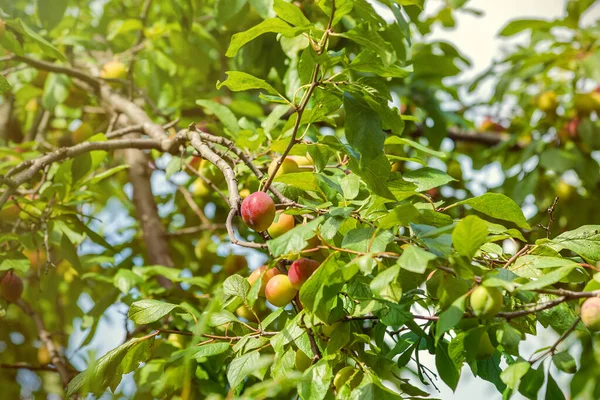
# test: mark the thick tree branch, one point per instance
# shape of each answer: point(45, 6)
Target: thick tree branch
point(232, 186)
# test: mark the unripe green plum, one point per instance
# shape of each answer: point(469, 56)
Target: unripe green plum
point(486, 301)
point(266, 277)
point(590, 314)
point(301, 270)
point(303, 161)
point(288, 166)
point(585, 103)
point(114, 69)
point(11, 286)
point(302, 361)
point(485, 349)
point(279, 290)
point(347, 373)
point(244, 312)
point(234, 263)
point(282, 224)
point(258, 211)
point(44, 355)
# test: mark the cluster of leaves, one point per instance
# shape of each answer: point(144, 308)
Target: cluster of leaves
point(399, 261)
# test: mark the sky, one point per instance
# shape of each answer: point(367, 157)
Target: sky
point(476, 37)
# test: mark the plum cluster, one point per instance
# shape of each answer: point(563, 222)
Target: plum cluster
point(259, 214)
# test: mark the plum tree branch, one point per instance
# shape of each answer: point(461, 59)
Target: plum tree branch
point(232, 185)
point(304, 102)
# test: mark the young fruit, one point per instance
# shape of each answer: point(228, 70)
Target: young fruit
point(564, 191)
point(281, 224)
point(486, 301)
point(301, 270)
point(244, 312)
point(547, 101)
point(279, 290)
point(345, 374)
point(590, 314)
point(303, 161)
point(37, 257)
point(266, 277)
point(288, 166)
point(485, 349)
point(43, 355)
point(302, 361)
point(11, 287)
point(114, 70)
point(258, 211)
point(211, 172)
point(82, 133)
point(234, 263)
point(200, 188)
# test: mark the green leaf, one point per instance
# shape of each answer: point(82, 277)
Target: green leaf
point(401, 215)
point(290, 13)
point(125, 280)
point(386, 286)
point(584, 241)
point(271, 25)
point(147, 310)
point(52, 12)
point(514, 27)
point(236, 285)
point(106, 174)
point(446, 368)
point(350, 186)
point(109, 369)
point(46, 47)
point(512, 375)
point(565, 362)
point(319, 379)
point(227, 9)
point(223, 113)
point(240, 367)
point(368, 61)
point(532, 383)
point(4, 85)
point(469, 235)
point(367, 240)
point(363, 128)
point(56, 90)
point(209, 350)
point(497, 206)
point(427, 178)
point(553, 391)
point(415, 259)
point(547, 279)
point(15, 260)
point(239, 81)
point(416, 145)
point(294, 240)
point(450, 317)
point(306, 181)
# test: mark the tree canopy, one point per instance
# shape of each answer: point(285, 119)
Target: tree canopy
point(294, 199)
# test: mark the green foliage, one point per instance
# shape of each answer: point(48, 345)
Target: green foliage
point(95, 222)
